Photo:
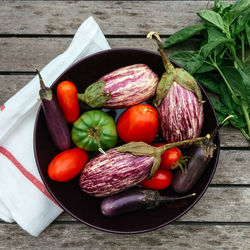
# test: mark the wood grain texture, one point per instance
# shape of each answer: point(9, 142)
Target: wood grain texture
point(114, 17)
point(24, 54)
point(218, 204)
point(175, 236)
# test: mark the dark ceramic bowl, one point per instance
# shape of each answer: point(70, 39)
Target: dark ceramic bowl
point(86, 209)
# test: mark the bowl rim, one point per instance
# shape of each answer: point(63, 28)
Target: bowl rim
point(197, 198)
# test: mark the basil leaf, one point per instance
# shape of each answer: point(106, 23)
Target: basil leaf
point(241, 22)
point(209, 81)
point(205, 68)
point(237, 8)
point(183, 35)
point(212, 17)
point(220, 107)
point(206, 50)
point(226, 96)
point(221, 7)
point(222, 110)
point(248, 33)
point(190, 60)
point(182, 57)
point(237, 83)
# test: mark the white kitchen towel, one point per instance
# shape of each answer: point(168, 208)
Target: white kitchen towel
point(23, 197)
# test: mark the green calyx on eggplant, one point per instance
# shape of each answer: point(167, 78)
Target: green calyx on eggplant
point(178, 101)
point(134, 199)
point(199, 155)
point(55, 120)
point(123, 167)
point(171, 75)
point(122, 88)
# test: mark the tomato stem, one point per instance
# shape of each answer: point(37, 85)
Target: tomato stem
point(95, 132)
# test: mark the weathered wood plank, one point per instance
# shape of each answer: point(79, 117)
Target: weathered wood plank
point(24, 54)
point(10, 84)
point(181, 236)
point(114, 17)
point(217, 205)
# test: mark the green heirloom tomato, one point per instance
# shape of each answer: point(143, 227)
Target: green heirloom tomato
point(94, 130)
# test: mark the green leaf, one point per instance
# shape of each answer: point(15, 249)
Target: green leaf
point(205, 68)
point(190, 60)
point(210, 82)
point(207, 49)
point(237, 8)
point(226, 96)
point(221, 7)
point(223, 111)
point(220, 107)
point(248, 33)
point(212, 17)
point(241, 22)
point(236, 81)
point(183, 35)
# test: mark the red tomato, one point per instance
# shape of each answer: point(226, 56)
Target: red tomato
point(161, 180)
point(68, 100)
point(170, 159)
point(138, 123)
point(67, 164)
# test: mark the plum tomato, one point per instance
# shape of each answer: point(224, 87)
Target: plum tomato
point(138, 123)
point(161, 180)
point(172, 158)
point(67, 164)
point(68, 100)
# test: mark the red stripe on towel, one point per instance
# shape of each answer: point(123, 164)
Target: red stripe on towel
point(2, 108)
point(26, 173)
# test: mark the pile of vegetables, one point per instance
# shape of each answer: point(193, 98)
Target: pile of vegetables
point(220, 61)
point(128, 155)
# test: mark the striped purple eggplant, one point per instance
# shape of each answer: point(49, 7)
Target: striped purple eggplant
point(122, 88)
point(123, 167)
point(178, 100)
point(180, 114)
point(113, 172)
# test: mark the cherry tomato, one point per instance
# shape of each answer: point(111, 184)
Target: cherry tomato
point(138, 123)
point(68, 100)
point(161, 180)
point(170, 159)
point(67, 164)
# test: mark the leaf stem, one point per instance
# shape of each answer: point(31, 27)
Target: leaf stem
point(245, 134)
point(242, 38)
point(246, 115)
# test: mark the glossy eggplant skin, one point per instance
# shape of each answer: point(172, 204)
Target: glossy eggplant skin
point(196, 165)
point(55, 120)
point(135, 198)
point(56, 123)
point(129, 200)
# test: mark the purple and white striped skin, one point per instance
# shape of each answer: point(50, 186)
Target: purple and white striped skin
point(111, 173)
point(130, 85)
point(180, 114)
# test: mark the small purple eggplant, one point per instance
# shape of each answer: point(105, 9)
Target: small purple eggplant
point(199, 155)
point(123, 167)
point(56, 122)
point(135, 199)
point(178, 100)
point(122, 88)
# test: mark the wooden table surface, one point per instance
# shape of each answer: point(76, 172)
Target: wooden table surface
point(32, 33)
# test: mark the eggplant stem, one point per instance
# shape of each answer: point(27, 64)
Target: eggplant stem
point(42, 85)
point(167, 198)
point(167, 64)
point(219, 126)
point(180, 143)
